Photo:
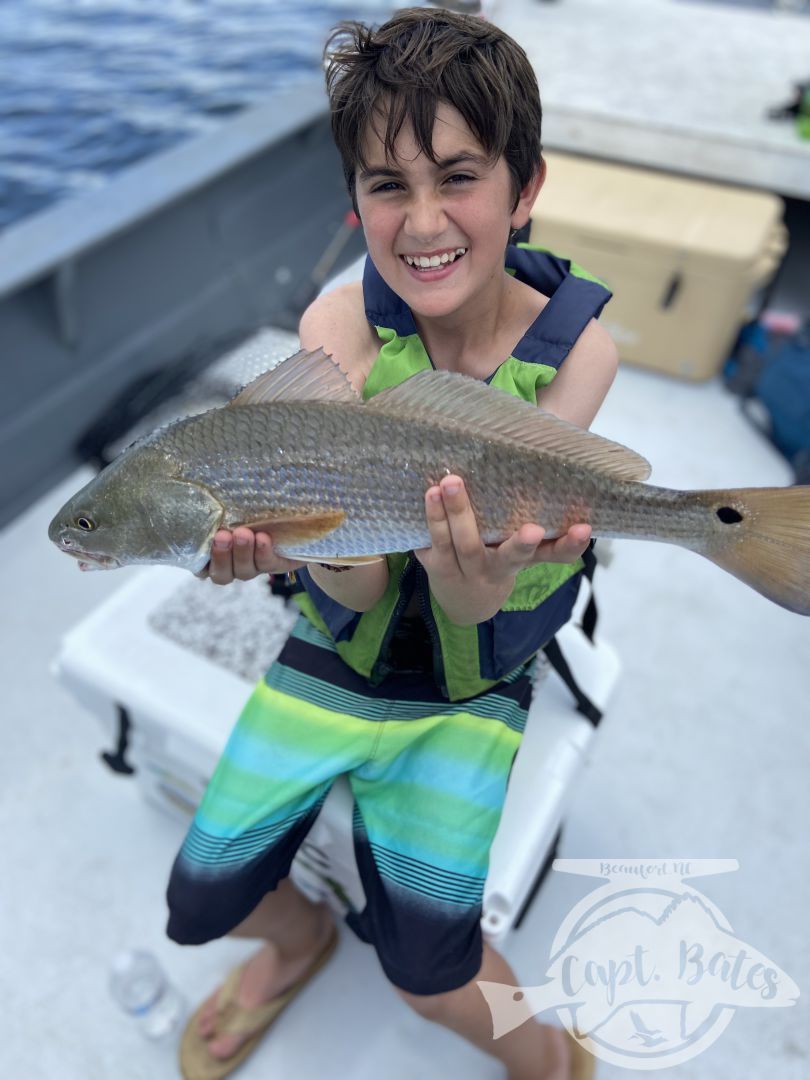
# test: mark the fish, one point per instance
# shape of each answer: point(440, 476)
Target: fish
point(333, 479)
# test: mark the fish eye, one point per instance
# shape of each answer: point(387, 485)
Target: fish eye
point(85, 523)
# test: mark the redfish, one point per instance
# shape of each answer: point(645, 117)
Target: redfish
point(334, 479)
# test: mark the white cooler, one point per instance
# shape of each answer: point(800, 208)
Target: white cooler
point(176, 658)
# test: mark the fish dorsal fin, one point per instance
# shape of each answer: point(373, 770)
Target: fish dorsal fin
point(487, 410)
point(306, 376)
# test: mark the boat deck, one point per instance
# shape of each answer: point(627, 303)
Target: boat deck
point(703, 753)
point(681, 85)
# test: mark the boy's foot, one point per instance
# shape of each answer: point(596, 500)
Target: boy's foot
point(577, 1062)
point(264, 977)
point(563, 1058)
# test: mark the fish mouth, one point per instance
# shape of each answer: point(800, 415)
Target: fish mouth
point(90, 560)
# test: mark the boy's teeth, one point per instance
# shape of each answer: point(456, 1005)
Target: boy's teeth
point(425, 262)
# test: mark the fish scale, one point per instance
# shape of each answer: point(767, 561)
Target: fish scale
point(298, 454)
point(378, 468)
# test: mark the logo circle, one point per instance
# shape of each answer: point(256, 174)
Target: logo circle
point(636, 1029)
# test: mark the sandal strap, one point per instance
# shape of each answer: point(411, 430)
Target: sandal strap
point(238, 1020)
point(235, 1019)
point(228, 990)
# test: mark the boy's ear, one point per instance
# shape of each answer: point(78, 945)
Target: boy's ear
point(527, 196)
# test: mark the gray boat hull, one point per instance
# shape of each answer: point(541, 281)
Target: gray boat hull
point(158, 272)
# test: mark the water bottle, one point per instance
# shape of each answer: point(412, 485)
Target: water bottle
point(140, 986)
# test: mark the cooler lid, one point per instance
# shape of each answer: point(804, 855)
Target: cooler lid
point(656, 211)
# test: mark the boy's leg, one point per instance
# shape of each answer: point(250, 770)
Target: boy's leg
point(266, 791)
point(427, 809)
point(231, 875)
point(531, 1052)
point(295, 931)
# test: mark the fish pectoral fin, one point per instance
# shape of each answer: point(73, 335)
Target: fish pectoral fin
point(306, 376)
point(447, 396)
point(353, 560)
point(299, 528)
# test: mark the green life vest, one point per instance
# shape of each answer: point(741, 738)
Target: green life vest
point(467, 660)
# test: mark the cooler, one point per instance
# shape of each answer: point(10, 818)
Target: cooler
point(684, 258)
point(168, 661)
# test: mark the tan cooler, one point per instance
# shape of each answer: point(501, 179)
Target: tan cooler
point(683, 257)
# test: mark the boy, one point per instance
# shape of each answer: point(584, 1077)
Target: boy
point(413, 674)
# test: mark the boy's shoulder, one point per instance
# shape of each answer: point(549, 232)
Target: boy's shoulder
point(579, 388)
point(336, 321)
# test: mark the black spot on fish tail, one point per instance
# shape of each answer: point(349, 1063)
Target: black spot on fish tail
point(729, 516)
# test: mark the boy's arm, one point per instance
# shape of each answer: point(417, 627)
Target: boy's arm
point(337, 322)
point(358, 587)
point(471, 581)
point(578, 389)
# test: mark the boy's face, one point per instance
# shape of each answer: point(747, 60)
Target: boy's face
point(457, 213)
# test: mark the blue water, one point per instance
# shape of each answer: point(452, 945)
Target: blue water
point(87, 87)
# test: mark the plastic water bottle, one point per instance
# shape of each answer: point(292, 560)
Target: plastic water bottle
point(140, 986)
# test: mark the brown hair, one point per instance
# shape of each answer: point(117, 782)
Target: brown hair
point(423, 56)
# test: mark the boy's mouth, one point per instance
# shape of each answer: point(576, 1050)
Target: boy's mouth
point(437, 261)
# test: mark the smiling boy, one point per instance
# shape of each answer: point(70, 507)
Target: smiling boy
point(411, 675)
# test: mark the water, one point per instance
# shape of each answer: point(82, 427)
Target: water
point(141, 988)
point(87, 87)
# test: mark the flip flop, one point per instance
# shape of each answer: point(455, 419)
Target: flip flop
point(583, 1063)
point(232, 1019)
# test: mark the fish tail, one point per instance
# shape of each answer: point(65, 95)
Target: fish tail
point(762, 537)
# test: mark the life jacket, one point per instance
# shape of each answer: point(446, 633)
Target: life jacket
point(467, 660)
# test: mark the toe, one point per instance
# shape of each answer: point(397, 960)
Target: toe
point(207, 1019)
point(225, 1046)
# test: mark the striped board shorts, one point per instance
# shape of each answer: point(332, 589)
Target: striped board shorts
point(428, 778)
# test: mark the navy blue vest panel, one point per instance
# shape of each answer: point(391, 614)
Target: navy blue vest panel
point(383, 306)
point(573, 302)
point(507, 639)
point(340, 620)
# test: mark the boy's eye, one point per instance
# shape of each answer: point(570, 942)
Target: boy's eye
point(394, 185)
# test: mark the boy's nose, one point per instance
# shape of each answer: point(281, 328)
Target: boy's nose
point(426, 220)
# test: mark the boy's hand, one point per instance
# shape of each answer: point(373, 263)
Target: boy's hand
point(470, 580)
point(243, 555)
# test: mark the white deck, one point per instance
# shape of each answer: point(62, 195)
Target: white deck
point(704, 752)
point(681, 85)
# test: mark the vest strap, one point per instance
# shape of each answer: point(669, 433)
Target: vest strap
point(573, 301)
point(590, 614)
point(555, 655)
